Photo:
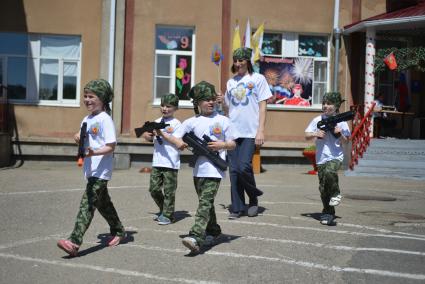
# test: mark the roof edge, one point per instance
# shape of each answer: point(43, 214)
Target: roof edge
point(376, 23)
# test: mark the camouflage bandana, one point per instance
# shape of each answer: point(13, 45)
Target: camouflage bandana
point(333, 98)
point(203, 91)
point(170, 99)
point(242, 53)
point(100, 88)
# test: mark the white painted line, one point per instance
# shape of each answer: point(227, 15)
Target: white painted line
point(319, 245)
point(27, 242)
point(323, 230)
point(345, 248)
point(339, 224)
point(68, 190)
point(333, 268)
point(290, 203)
point(283, 259)
point(291, 261)
point(104, 269)
point(308, 203)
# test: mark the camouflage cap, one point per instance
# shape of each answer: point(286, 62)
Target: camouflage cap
point(100, 88)
point(203, 91)
point(333, 98)
point(242, 53)
point(170, 99)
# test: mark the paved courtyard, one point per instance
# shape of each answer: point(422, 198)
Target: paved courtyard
point(379, 238)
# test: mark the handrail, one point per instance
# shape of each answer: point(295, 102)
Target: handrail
point(360, 138)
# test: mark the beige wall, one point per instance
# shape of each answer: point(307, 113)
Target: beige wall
point(205, 16)
point(83, 18)
point(372, 8)
point(285, 15)
point(75, 17)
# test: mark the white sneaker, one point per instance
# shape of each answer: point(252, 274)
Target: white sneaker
point(191, 244)
point(335, 201)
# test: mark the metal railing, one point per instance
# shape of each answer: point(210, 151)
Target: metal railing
point(360, 138)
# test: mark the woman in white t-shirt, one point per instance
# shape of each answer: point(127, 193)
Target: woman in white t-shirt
point(245, 101)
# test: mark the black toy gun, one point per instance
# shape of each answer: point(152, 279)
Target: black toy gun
point(329, 123)
point(81, 151)
point(199, 147)
point(149, 127)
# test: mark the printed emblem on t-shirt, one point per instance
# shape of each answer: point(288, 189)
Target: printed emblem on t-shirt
point(169, 129)
point(216, 130)
point(94, 128)
point(239, 95)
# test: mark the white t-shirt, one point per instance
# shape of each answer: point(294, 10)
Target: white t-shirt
point(100, 131)
point(329, 147)
point(243, 96)
point(167, 155)
point(217, 127)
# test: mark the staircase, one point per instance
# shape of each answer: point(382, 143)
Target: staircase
point(392, 158)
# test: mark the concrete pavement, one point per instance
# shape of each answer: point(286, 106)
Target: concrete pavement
point(379, 238)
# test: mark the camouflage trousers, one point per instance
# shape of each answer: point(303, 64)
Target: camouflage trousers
point(96, 196)
point(164, 178)
point(205, 219)
point(328, 184)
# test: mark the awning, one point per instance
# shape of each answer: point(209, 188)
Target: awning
point(409, 18)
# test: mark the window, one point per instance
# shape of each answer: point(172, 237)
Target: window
point(296, 67)
point(42, 69)
point(174, 66)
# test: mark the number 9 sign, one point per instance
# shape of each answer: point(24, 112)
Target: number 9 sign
point(184, 41)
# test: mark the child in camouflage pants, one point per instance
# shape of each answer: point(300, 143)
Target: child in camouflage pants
point(206, 176)
point(165, 162)
point(99, 143)
point(329, 155)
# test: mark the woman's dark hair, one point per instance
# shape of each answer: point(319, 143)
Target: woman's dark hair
point(249, 66)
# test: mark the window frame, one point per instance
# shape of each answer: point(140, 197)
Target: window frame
point(173, 55)
point(33, 60)
point(286, 42)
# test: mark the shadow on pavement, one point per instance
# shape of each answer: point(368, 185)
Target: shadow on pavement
point(180, 215)
point(315, 216)
point(103, 240)
point(222, 239)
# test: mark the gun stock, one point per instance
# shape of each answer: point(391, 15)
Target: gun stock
point(81, 150)
point(199, 147)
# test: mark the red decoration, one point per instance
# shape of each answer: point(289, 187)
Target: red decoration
point(390, 61)
point(311, 156)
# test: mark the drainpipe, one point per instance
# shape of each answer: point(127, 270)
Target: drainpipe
point(337, 35)
point(111, 43)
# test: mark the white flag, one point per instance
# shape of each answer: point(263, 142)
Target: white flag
point(247, 38)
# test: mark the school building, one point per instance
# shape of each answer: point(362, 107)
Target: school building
point(49, 49)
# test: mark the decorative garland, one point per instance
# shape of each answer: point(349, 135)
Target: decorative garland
point(409, 57)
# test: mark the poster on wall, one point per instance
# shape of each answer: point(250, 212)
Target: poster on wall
point(171, 38)
point(290, 80)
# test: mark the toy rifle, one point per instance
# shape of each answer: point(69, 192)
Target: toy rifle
point(81, 150)
point(149, 127)
point(199, 147)
point(329, 123)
